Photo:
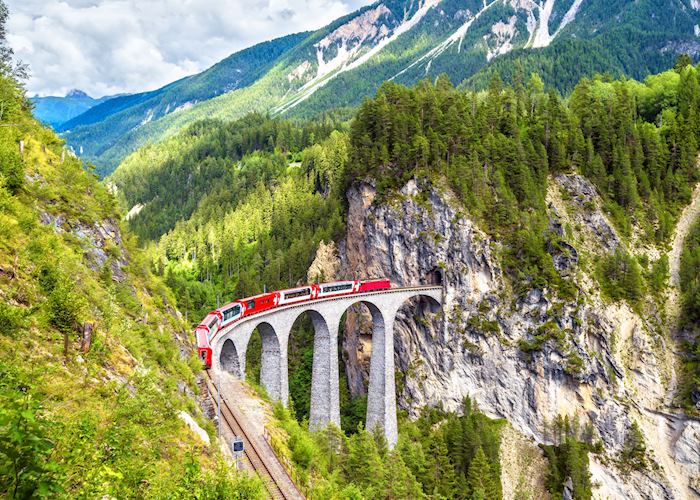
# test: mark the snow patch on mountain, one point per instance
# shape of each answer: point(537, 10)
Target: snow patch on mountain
point(455, 37)
point(350, 38)
point(148, 118)
point(350, 41)
point(571, 15)
point(299, 72)
point(695, 4)
point(501, 36)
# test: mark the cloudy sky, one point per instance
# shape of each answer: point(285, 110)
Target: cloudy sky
point(106, 47)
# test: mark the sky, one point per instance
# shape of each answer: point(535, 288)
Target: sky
point(106, 47)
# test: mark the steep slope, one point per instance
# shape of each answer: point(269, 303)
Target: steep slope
point(97, 130)
point(407, 40)
point(546, 219)
point(96, 373)
point(55, 111)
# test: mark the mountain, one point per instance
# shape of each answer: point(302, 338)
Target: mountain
point(54, 111)
point(561, 228)
point(405, 41)
point(99, 130)
point(97, 375)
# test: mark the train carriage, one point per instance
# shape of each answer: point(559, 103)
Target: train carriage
point(294, 295)
point(336, 288)
point(374, 285)
point(259, 303)
point(224, 316)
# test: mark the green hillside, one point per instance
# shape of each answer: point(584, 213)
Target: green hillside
point(299, 76)
point(97, 130)
point(95, 364)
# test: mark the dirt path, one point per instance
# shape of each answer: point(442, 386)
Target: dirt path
point(690, 214)
point(673, 299)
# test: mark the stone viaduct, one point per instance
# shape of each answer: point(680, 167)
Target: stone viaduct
point(230, 345)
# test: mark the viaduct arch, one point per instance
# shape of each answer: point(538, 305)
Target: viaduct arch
point(231, 343)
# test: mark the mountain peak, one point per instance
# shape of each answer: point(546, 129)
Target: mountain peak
point(76, 93)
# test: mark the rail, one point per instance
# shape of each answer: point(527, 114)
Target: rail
point(252, 452)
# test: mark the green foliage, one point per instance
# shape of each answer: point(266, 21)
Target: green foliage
point(689, 386)
point(568, 458)
point(658, 275)
point(102, 420)
point(438, 456)
point(690, 275)
point(620, 277)
point(633, 454)
point(208, 157)
point(27, 466)
point(66, 306)
point(11, 166)
point(11, 320)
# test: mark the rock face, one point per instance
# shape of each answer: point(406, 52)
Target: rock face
point(600, 363)
point(102, 242)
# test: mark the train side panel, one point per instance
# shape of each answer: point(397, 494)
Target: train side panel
point(337, 288)
point(373, 285)
point(294, 295)
point(259, 303)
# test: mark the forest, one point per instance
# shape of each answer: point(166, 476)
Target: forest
point(216, 236)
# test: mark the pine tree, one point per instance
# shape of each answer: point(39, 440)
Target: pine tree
point(440, 473)
point(480, 480)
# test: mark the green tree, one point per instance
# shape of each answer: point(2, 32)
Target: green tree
point(480, 478)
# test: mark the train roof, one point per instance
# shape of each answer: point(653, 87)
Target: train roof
point(266, 294)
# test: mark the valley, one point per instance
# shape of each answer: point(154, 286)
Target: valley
point(468, 235)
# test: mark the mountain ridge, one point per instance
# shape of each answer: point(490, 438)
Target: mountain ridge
point(406, 41)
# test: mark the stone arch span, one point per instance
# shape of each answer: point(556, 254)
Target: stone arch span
point(229, 359)
point(325, 390)
point(271, 362)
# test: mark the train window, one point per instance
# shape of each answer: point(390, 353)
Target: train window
point(296, 293)
point(231, 312)
point(213, 322)
point(251, 304)
point(337, 288)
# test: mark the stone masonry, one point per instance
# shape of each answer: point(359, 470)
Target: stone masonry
point(231, 343)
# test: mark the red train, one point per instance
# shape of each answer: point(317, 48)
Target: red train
point(224, 316)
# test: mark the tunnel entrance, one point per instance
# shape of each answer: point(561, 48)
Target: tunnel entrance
point(435, 277)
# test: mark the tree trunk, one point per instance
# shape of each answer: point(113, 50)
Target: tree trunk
point(86, 341)
point(21, 150)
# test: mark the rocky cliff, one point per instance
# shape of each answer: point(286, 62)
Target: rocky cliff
point(601, 363)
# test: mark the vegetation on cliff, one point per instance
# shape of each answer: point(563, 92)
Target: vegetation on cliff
point(91, 377)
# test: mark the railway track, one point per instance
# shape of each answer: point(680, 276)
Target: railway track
point(252, 454)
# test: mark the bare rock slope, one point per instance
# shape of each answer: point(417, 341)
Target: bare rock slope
point(602, 363)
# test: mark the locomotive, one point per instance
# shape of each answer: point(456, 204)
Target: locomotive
point(222, 317)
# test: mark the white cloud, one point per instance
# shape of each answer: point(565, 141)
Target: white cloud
point(111, 46)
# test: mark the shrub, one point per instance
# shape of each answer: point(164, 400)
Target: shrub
point(620, 277)
point(66, 306)
point(11, 319)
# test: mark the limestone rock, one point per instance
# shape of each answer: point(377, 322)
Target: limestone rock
point(605, 365)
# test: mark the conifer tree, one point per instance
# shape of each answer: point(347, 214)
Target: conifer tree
point(480, 480)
